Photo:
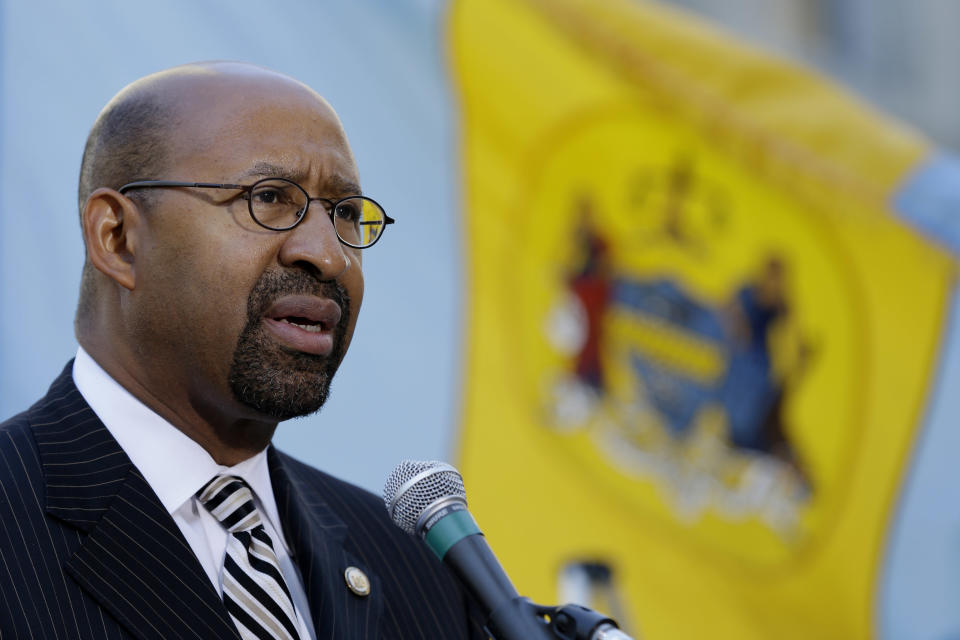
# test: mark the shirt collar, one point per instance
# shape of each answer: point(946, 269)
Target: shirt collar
point(174, 465)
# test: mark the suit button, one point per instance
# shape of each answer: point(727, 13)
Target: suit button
point(357, 581)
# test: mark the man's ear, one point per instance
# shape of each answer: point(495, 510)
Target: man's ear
point(111, 224)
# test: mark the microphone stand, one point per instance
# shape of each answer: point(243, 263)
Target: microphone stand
point(567, 622)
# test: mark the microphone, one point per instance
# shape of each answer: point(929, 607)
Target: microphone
point(427, 499)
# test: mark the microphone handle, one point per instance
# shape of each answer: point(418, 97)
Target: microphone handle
point(511, 617)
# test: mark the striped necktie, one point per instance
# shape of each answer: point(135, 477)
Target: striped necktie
point(254, 591)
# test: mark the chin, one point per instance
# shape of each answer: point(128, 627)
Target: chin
point(282, 385)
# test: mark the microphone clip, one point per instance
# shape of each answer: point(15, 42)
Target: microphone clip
point(566, 622)
point(576, 622)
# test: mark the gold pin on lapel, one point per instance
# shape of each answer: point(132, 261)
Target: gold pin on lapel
point(357, 581)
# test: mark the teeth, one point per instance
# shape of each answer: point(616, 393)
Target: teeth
point(312, 328)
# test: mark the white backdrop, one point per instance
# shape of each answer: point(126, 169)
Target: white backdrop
point(379, 64)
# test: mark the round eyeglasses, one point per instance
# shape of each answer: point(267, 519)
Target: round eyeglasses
point(280, 204)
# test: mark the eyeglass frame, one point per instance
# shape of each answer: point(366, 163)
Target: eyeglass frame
point(248, 189)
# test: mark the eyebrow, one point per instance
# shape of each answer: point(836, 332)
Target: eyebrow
point(335, 184)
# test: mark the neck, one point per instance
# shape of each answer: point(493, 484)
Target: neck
point(229, 432)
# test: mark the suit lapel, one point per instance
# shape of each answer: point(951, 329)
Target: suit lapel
point(134, 560)
point(316, 536)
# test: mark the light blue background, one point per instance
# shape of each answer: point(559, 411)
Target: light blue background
point(379, 65)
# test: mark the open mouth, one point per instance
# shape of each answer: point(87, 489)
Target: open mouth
point(300, 322)
point(304, 323)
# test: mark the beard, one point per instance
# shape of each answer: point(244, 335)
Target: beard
point(274, 380)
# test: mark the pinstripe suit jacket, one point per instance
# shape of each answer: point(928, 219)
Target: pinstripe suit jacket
point(88, 551)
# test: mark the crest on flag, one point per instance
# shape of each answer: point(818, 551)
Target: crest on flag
point(677, 334)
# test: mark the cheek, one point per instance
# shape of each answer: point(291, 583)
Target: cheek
point(222, 287)
point(202, 288)
point(221, 297)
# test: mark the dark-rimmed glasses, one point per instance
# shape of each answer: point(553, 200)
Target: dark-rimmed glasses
point(280, 204)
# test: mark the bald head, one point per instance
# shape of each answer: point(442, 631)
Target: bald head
point(133, 137)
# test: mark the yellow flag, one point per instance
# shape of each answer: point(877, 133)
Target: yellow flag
point(698, 343)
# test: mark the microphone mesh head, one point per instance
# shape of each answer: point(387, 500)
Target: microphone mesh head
point(414, 485)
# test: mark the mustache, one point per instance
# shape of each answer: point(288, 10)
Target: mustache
point(276, 284)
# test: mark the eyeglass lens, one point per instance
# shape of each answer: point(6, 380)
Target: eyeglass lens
point(280, 204)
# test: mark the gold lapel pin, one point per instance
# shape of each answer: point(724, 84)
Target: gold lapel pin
point(357, 581)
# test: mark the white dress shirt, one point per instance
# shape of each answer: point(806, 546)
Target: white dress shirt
point(176, 467)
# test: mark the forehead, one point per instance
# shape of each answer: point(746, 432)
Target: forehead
point(229, 127)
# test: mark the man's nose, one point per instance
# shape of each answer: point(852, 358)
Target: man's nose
point(314, 242)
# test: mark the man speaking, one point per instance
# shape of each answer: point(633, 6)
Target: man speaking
point(224, 226)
